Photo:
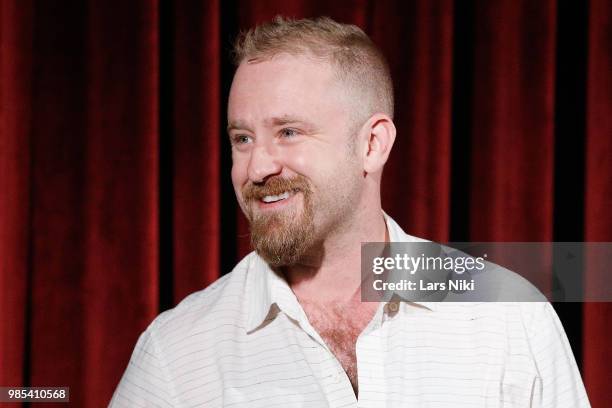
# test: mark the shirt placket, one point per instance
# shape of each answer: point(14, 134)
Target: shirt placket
point(369, 367)
point(333, 378)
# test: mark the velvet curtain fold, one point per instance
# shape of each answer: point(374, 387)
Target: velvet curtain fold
point(116, 200)
point(598, 195)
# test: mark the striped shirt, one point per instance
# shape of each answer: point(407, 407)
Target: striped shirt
point(245, 341)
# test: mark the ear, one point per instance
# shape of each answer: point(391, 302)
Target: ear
point(380, 135)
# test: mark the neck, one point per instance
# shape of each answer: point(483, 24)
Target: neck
point(335, 276)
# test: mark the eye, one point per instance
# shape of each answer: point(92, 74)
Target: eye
point(288, 133)
point(240, 139)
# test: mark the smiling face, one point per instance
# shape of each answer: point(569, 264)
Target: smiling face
point(296, 172)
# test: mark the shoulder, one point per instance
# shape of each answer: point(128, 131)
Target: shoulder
point(528, 313)
point(221, 303)
point(518, 321)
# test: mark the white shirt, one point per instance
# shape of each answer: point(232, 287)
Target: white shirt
point(245, 341)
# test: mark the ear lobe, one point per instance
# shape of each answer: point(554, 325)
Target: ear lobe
point(380, 141)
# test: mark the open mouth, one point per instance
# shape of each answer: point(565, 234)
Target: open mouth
point(276, 202)
point(275, 198)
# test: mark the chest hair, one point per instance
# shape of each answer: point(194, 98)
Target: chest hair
point(340, 326)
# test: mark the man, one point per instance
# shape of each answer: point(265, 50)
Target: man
point(310, 123)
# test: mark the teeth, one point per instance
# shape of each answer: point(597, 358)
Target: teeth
point(274, 198)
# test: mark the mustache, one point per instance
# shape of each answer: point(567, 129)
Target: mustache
point(275, 186)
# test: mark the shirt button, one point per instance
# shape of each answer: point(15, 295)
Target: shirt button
point(392, 307)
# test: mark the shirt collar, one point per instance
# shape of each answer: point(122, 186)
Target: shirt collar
point(265, 287)
point(397, 234)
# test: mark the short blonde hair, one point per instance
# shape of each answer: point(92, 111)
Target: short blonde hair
point(357, 60)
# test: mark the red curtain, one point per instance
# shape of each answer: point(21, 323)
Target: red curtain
point(116, 200)
point(598, 194)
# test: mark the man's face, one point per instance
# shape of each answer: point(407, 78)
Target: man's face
point(296, 172)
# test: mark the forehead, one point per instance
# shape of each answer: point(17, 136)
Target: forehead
point(284, 85)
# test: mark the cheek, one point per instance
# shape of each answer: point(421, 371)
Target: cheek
point(239, 175)
point(297, 160)
point(334, 176)
point(313, 161)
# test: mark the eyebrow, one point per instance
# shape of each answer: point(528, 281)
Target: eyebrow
point(236, 125)
point(287, 119)
point(273, 121)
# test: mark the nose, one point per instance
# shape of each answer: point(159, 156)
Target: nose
point(263, 164)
